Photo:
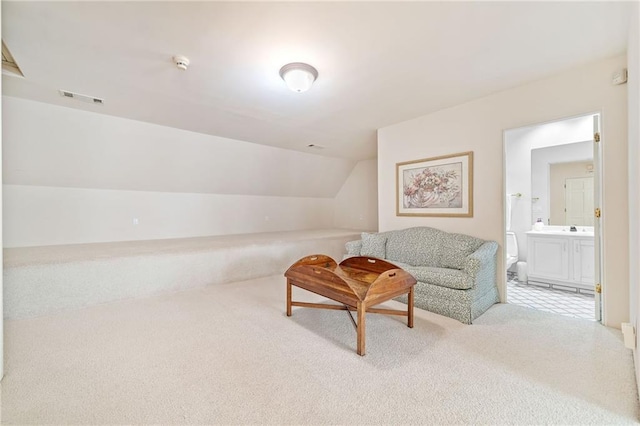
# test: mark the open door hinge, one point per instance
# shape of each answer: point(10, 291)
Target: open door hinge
point(598, 288)
point(596, 136)
point(598, 213)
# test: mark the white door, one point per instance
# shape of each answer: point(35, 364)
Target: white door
point(578, 201)
point(597, 241)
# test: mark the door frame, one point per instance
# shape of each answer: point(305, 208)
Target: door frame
point(598, 233)
point(597, 176)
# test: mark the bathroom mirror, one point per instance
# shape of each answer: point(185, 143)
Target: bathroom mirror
point(562, 184)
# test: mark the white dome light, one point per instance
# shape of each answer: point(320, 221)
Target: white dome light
point(298, 76)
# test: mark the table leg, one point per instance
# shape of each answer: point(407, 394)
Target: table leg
point(362, 310)
point(288, 297)
point(410, 309)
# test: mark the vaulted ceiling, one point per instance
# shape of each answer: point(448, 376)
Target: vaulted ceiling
point(379, 63)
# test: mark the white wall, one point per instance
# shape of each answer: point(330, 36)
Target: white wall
point(356, 204)
point(74, 177)
point(479, 125)
point(633, 61)
point(40, 215)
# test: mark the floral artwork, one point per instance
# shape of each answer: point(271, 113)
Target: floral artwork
point(440, 186)
point(434, 187)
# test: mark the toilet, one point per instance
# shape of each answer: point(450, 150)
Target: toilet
point(512, 249)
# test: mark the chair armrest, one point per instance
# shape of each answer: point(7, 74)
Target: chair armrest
point(353, 247)
point(481, 265)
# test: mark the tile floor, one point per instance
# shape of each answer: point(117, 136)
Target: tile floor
point(563, 302)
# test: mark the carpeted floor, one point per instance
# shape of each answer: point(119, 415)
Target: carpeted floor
point(227, 354)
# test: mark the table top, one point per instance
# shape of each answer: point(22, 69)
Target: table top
point(354, 279)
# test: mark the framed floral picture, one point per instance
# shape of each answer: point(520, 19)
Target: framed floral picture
point(438, 186)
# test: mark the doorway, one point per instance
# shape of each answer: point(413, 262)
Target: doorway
point(551, 180)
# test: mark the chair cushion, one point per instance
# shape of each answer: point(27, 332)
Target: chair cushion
point(373, 245)
point(443, 277)
point(455, 248)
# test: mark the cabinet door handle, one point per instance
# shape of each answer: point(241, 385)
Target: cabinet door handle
point(577, 248)
point(564, 246)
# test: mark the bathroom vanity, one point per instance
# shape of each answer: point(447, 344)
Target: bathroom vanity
point(557, 256)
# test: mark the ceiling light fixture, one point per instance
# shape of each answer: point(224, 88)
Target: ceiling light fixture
point(298, 76)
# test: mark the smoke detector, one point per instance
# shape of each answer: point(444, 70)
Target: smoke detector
point(182, 62)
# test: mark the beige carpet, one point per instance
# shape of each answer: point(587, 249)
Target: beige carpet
point(227, 354)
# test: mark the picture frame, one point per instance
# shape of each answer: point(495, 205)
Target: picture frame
point(437, 187)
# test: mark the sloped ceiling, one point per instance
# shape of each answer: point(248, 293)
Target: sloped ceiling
point(379, 63)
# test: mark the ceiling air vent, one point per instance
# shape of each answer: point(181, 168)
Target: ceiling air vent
point(79, 97)
point(9, 65)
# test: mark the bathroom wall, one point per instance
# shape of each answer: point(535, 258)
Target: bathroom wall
point(558, 141)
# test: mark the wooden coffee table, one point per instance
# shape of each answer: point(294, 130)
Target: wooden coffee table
point(357, 282)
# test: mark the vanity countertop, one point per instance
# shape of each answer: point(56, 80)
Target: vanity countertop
point(581, 232)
